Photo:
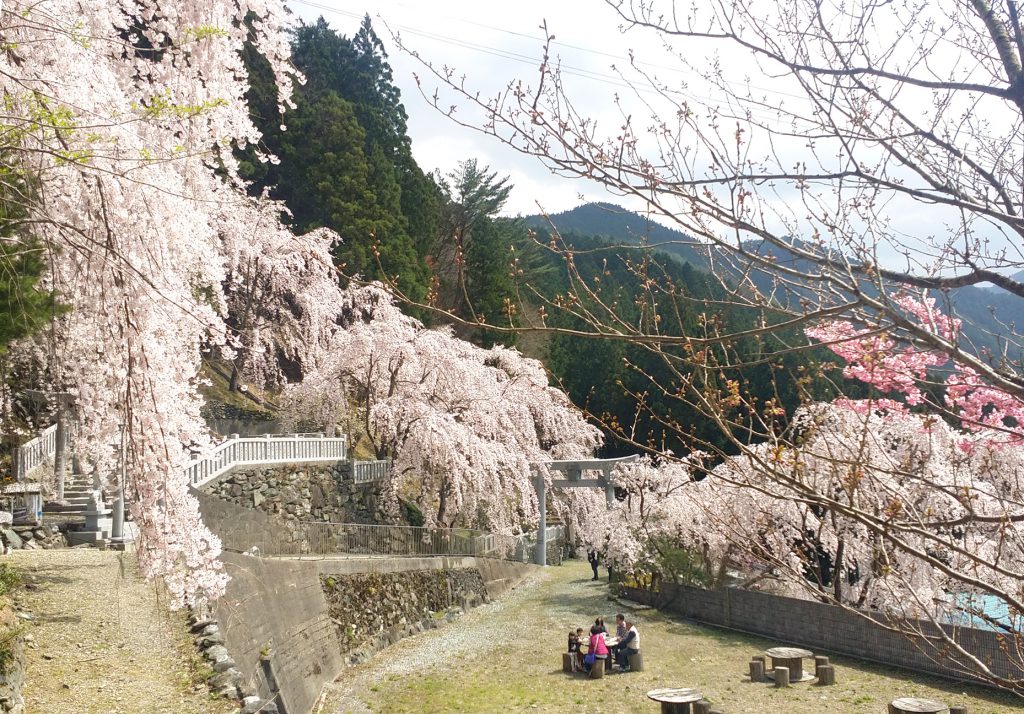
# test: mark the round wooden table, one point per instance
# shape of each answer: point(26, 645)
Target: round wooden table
point(793, 658)
point(908, 705)
point(675, 701)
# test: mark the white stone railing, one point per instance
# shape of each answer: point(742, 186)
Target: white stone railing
point(237, 452)
point(369, 471)
point(34, 453)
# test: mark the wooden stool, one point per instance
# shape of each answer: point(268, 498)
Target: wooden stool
point(636, 662)
point(826, 675)
point(913, 705)
point(958, 710)
point(757, 670)
point(597, 671)
point(567, 658)
point(820, 662)
point(781, 676)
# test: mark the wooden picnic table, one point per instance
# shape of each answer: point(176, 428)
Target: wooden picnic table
point(913, 705)
point(791, 657)
point(676, 701)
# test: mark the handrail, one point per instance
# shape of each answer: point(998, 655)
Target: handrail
point(34, 453)
point(369, 471)
point(236, 452)
point(325, 539)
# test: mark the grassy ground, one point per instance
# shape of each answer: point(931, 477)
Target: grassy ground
point(508, 657)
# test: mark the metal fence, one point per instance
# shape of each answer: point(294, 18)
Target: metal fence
point(269, 449)
point(305, 538)
point(35, 452)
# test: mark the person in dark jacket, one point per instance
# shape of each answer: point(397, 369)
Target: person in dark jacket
point(594, 562)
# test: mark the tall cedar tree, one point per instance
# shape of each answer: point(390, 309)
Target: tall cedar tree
point(346, 160)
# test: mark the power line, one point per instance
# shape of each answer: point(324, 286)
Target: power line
point(533, 60)
point(583, 73)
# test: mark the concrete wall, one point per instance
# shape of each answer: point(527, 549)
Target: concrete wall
point(827, 627)
point(278, 606)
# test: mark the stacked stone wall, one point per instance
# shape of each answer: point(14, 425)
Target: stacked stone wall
point(323, 493)
point(372, 610)
point(12, 663)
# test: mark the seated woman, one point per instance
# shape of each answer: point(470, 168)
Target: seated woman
point(597, 647)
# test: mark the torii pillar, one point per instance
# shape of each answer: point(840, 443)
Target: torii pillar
point(573, 470)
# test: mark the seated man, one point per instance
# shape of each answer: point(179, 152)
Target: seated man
point(630, 645)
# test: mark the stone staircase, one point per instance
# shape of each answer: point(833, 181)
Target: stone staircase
point(76, 497)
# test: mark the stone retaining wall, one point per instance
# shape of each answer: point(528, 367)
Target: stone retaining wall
point(301, 493)
point(30, 537)
point(12, 670)
point(375, 609)
point(815, 625)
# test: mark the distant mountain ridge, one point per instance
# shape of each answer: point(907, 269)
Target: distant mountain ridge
point(986, 312)
point(620, 225)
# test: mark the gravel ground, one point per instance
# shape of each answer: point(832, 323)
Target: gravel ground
point(471, 636)
point(102, 640)
point(507, 656)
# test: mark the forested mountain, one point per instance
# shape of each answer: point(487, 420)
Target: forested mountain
point(618, 225)
point(987, 313)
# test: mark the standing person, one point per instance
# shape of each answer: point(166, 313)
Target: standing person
point(629, 646)
point(594, 562)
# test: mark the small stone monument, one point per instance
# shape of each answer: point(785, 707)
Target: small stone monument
point(98, 522)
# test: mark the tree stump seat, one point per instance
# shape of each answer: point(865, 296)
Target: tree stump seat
point(635, 662)
point(914, 705)
point(676, 701)
point(792, 659)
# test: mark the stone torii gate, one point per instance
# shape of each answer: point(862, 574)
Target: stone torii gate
point(573, 470)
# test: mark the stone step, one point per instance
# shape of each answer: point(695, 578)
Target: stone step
point(69, 510)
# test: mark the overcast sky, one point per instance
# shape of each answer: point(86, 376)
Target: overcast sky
point(493, 44)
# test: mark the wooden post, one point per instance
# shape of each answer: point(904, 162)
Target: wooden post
point(781, 676)
point(597, 671)
point(827, 675)
point(819, 662)
point(567, 661)
point(756, 670)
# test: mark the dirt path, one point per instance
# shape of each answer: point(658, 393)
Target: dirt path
point(507, 656)
point(102, 640)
